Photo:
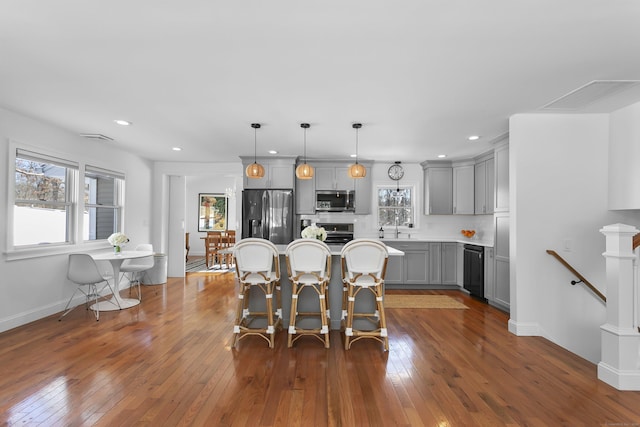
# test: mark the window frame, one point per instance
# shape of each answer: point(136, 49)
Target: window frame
point(75, 221)
point(414, 217)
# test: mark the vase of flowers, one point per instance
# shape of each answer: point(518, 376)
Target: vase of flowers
point(118, 240)
point(314, 232)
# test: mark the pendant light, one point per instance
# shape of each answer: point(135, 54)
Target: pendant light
point(304, 171)
point(356, 170)
point(255, 169)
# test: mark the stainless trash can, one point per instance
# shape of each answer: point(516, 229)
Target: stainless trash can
point(156, 275)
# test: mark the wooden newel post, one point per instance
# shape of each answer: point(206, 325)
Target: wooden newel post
point(620, 364)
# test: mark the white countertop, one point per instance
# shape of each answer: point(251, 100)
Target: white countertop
point(479, 242)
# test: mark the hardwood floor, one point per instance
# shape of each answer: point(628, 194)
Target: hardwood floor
point(169, 362)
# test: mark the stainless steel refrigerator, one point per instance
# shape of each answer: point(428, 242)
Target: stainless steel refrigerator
point(268, 214)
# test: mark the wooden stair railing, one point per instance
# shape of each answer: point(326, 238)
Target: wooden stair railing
point(636, 241)
point(580, 276)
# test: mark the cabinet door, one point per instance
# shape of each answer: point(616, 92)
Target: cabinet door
point(438, 188)
point(305, 196)
point(395, 269)
point(281, 176)
point(256, 182)
point(416, 267)
point(343, 181)
point(435, 262)
point(480, 187)
point(325, 178)
point(463, 188)
point(449, 263)
point(490, 186)
point(489, 282)
point(502, 281)
point(363, 195)
point(501, 156)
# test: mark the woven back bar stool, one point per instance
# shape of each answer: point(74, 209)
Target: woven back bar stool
point(258, 271)
point(364, 265)
point(309, 268)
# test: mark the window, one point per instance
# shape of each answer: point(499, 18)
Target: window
point(395, 207)
point(58, 202)
point(102, 203)
point(43, 199)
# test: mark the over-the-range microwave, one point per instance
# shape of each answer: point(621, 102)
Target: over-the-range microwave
point(335, 201)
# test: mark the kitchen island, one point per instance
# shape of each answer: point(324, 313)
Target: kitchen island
point(309, 301)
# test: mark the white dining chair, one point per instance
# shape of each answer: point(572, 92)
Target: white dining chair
point(133, 269)
point(84, 272)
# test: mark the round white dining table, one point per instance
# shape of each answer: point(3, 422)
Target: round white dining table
point(116, 259)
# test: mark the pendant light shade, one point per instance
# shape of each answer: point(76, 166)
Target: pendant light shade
point(356, 170)
point(304, 171)
point(255, 169)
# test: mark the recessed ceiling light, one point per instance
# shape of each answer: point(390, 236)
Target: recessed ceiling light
point(442, 156)
point(122, 122)
point(353, 155)
point(177, 149)
point(273, 152)
point(473, 138)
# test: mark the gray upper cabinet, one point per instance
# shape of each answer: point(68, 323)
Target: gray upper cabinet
point(484, 188)
point(306, 196)
point(501, 155)
point(463, 189)
point(334, 178)
point(279, 172)
point(438, 188)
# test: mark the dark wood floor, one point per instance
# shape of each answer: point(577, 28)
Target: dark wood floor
point(169, 362)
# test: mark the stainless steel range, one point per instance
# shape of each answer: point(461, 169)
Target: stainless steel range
point(337, 233)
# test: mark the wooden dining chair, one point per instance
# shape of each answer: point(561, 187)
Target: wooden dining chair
point(212, 246)
point(227, 243)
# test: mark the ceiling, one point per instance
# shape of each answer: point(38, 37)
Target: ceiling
point(420, 75)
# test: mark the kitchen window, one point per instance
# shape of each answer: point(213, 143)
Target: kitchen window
point(395, 206)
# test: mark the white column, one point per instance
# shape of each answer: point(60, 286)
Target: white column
point(620, 364)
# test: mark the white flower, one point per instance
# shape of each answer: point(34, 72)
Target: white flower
point(314, 232)
point(118, 239)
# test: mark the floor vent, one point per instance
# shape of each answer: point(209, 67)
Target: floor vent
point(97, 136)
point(588, 94)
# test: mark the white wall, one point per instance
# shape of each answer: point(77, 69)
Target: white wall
point(37, 287)
point(559, 197)
point(624, 153)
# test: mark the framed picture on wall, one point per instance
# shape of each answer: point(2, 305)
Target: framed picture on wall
point(212, 212)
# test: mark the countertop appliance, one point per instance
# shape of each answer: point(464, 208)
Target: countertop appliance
point(268, 214)
point(337, 233)
point(473, 273)
point(335, 201)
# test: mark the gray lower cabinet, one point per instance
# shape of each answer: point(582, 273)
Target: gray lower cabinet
point(443, 263)
point(502, 294)
point(425, 265)
point(449, 263)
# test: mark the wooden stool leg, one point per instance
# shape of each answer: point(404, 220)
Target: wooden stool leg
point(383, 319)
point(348, 331)
point(322, 296)
point(292, 315)
point(270, 324)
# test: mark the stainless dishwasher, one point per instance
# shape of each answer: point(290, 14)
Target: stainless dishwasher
point(473, 275)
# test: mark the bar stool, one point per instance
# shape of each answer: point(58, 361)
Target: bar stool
point(364, 265)
point(258, 270)
point(309, 267)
